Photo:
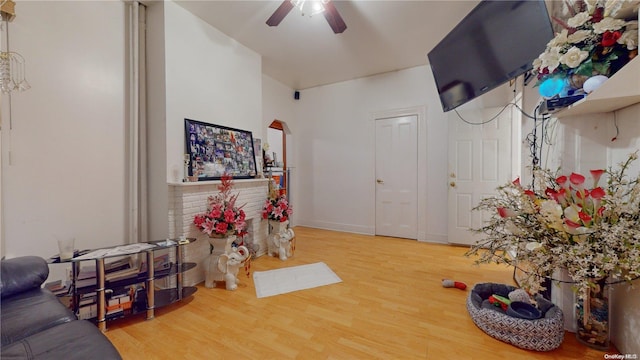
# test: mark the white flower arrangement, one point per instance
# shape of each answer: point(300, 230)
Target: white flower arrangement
point(592, 42)
point(591, 232)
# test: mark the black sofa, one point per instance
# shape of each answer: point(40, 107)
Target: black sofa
point(35, 325)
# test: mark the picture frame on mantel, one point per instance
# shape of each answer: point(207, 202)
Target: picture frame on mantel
point(214, 150)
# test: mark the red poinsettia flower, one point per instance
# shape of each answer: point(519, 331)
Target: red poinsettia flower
point(598, 15)
point(229, 216)
point(215, 213)
point(609, 38)
point(199, 220)
point(221, 227)
point(543, 72)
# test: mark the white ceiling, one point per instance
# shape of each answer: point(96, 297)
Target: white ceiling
point(303, 52)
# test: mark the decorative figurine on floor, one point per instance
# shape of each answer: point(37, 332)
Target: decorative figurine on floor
point(230, 263)
point(277, 211)
point(219, 246)
point(280, 243)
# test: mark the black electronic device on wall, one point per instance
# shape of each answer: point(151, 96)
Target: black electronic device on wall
point(496, 42)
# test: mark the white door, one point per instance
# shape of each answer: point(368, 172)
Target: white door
point(397, 177)
point(480, 158)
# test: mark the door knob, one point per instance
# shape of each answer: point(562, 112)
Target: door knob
point(452, 184)
point(380, 181)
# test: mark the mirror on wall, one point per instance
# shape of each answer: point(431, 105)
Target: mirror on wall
point(275, 155)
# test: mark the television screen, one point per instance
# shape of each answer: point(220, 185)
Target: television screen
point(494, 43)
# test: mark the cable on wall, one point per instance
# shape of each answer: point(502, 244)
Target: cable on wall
point(495, 116)
point(536, 142)
point(615, 123)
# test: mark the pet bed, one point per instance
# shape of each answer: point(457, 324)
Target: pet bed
point(542, 334)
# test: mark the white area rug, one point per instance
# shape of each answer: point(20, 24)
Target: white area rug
point(285, 280)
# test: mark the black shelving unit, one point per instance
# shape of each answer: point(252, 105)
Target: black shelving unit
point(142, 301)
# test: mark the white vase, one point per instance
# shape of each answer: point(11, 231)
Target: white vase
point(221, 245)
point(276, 227)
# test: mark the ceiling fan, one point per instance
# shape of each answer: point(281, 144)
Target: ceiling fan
point(325, 7)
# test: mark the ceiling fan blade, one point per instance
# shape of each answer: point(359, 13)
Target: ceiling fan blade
point(333, 18)
point(280, 13)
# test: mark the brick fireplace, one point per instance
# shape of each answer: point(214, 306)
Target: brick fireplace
point(188, 199)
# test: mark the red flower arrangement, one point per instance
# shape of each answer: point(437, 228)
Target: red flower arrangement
point(223, 217)
point(276, 207)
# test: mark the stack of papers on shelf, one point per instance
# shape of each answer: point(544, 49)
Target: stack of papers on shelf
point(117, 265)
point(160, 262)
point(86, 277)
point(115, 251)
point(57, 287)
point(120, 269)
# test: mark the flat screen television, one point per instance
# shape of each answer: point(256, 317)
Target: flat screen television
point(494, 43)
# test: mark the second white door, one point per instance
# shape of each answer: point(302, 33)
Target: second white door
point(480, 158)
point(397, 177)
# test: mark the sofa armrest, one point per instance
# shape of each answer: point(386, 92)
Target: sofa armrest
point(22, 273)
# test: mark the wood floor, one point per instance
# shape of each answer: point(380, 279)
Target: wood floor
point(390, 305)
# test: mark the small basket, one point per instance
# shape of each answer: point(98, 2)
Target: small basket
point(544, 334)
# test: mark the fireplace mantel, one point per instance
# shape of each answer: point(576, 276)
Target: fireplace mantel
point(237, 182)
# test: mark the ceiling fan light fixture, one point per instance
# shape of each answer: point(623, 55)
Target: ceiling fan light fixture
point(324, 7)
point(315, 6)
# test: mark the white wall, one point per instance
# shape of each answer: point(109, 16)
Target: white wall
point(278, 104)
point(63, 155)
point(208, 77)
point(586, 145)
point(335, 150)
point(582, 143)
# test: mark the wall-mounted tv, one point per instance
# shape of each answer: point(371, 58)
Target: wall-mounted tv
point(494, 43)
